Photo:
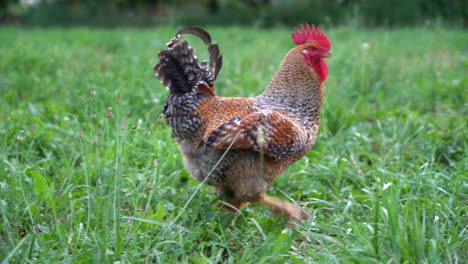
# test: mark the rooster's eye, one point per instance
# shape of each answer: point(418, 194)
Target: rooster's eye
point(309, 49)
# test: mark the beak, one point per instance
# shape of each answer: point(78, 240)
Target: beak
point(327, 54)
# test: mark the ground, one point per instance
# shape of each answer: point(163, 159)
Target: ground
point(89, 172)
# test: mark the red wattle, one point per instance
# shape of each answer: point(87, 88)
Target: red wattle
point(319, 65)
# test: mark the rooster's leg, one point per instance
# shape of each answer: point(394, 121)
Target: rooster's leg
point(231, 204)
point(290, 210)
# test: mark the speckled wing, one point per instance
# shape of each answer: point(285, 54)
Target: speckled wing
point(267, 131)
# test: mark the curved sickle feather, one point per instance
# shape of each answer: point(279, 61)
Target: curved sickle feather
point(201, 33)
point(216, 60)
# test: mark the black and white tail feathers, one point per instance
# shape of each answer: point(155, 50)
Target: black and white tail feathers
point(179, 68)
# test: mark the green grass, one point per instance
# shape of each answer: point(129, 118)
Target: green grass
point(386, 181)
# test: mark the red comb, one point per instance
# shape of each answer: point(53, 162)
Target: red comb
point(310, 34)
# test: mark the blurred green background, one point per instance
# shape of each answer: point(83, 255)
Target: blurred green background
point(264, 13)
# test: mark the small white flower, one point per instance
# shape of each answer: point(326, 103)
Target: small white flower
point(20, 138)
point(456, 82)
point(365, 45)
point(66, 118)
point(386, 185)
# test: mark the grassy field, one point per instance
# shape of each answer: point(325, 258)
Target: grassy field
point(386, 181)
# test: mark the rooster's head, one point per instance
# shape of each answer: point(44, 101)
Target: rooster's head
point(316, 46)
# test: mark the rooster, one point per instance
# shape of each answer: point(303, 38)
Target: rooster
point(240, 145)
